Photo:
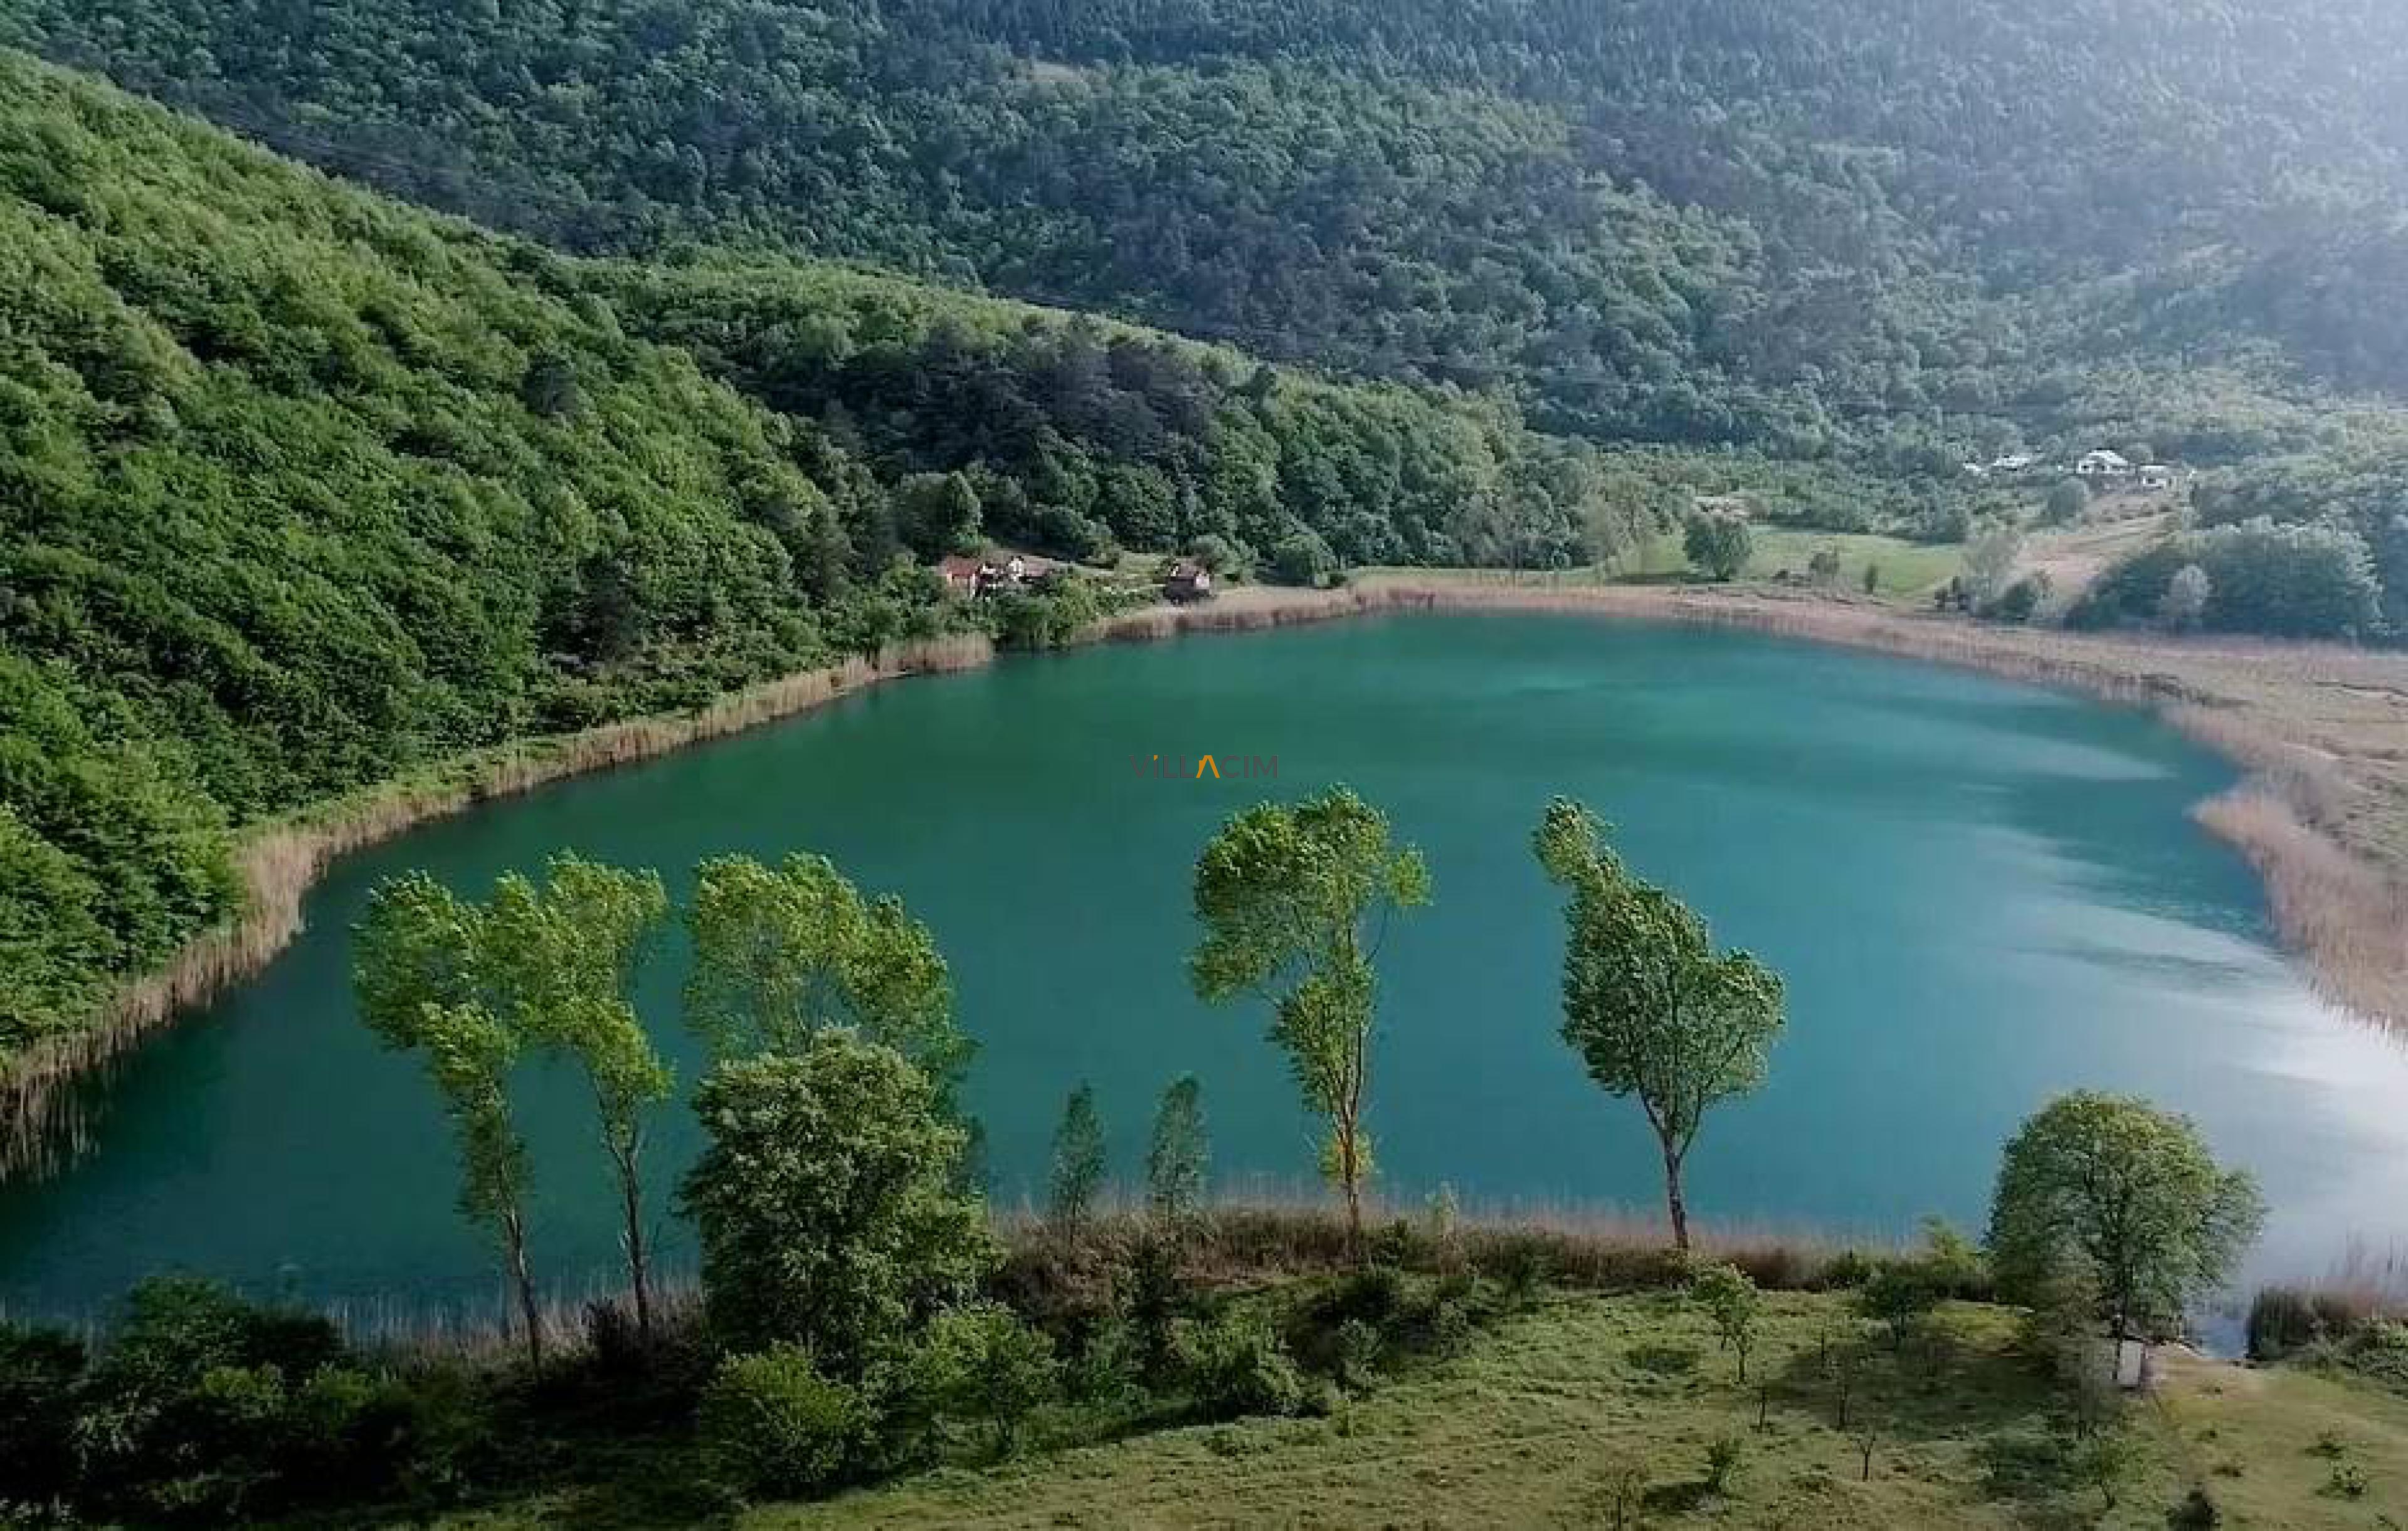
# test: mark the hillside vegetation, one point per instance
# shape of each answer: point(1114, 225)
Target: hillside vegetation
point(1894, 237)
point(301, 488)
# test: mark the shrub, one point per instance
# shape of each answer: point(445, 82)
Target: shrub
point(826, 1203)
point(1724, 1454)
point(2196, 1513)
point(1238, 1366)
point(773, 1427)
point(995, 1366)
point(1358, 1355)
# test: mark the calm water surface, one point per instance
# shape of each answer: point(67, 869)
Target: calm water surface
point(1981, 895)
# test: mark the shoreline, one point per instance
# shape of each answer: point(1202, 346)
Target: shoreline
point(2339, 898)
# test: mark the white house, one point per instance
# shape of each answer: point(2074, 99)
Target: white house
point(2104, 463)
point(2156, 476)
point(2014, 461)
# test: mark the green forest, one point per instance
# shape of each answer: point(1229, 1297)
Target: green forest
point(303, 489)
point(1881, 242)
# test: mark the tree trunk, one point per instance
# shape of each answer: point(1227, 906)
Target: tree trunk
point(1680, 1209)
point(631, 1190)
point(514, 1241)
point(1349, 1170)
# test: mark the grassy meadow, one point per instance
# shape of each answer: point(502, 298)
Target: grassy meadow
point(1587, 1409)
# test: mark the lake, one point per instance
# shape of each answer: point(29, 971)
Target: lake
point(1980, 893)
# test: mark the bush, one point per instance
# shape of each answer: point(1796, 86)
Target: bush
point(993, 1366)
point(773, 1427)
point(1238, 1366)
point(825, 1204)
point(1719, 545)
point(1303, 558)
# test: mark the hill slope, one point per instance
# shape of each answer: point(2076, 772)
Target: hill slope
point(1800, 225)
point(299, 488)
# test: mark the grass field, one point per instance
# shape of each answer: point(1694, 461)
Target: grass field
point(1909, 570)
point(1594, 1404)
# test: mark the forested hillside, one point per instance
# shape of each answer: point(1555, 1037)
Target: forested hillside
point(299, 488)
point(1908, 229)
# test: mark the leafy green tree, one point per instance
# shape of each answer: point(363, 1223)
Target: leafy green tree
point(426, 985)
point(1653, 1010)
point(936, 513)
point(782, 956)
point(1872, 579)
point(1990, 558)
point(2066, 499)
point(566, 955)
point(2127, 1193)
point(994, 1366)
point(1900, 1294)
point(1078, 1169)
point(824, 1201)
point(1178, 1160)
point(1303, 558)
point(2184, 602)
point(1731, 1299)
point(1718, 544)
point(1294, 903)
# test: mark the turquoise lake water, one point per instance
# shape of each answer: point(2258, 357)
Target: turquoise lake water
point(1980, 894)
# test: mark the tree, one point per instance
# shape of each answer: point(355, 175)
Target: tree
point(1823, 566)
point(993, 1366)
point(1732, 1301)
point(1303, 558)
point(1294, 903)
point(1872, 579)
point(549, 388)
point(1177, 1161)
point(779, 956)
point(2184, 602)
point(1649, 1004)
point(1718, 544)
point(2131, 1194)
point(568, 956)
point(936, 514)
point(824, 1201)
point(425, 986)
point(2066, 499)
point(1078, 1163)
point(1990, 556)
point(1899, 1294)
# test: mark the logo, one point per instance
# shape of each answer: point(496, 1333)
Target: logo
point(1217, 767)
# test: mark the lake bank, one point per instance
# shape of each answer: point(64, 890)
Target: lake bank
point(2006, 901)
point(2322, 731)
point(2322, 815)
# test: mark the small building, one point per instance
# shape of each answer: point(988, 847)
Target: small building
point(2156, 477)
point(2014, 461)
point(2104, 463)
point(960, 574)
point(1188, 582)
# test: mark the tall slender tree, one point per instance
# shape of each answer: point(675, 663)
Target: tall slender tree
point(1294, 903)
point(1078, 1163)
point(1178, 1160)
point(426, 985)
point(568, 954)
point(1653, 1010)
point(783, 954)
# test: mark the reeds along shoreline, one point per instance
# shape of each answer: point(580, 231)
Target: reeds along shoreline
point(42, 1121)
point(2345, 916)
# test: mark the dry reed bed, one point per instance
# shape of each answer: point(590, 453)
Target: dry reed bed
point(2323, 815)
point(41, 1120)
